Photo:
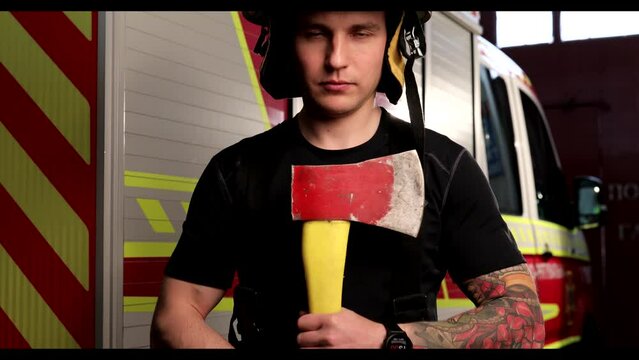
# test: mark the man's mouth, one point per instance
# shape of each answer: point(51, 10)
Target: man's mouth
point(336, 85)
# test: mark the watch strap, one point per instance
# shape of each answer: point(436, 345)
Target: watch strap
point(396, 338)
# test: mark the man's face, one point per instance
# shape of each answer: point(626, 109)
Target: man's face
point(340, 56)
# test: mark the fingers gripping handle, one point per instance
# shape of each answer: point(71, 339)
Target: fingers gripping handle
point(324, 254)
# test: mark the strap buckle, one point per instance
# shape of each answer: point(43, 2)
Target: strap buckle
point(411, 308)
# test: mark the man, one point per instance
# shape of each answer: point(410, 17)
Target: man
point(239, 218)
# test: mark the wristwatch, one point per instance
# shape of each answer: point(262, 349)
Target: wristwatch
point(396, 338)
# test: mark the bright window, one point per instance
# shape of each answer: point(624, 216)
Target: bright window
point(516, 28)
point(578, 25)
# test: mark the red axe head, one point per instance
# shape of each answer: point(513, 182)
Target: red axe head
point(386, 191)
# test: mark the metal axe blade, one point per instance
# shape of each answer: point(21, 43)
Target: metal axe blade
point(386, 192)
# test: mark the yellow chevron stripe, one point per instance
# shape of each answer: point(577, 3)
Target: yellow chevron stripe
point(455, 303)
point(551, 225)
point(226, 304)
point(139, 303)
point(148, 248)
point(528, 251)
point(30, 314)
point(563, 342)
point(46, 84)
point(515, 219)
point(159, 181)
point(156, 215)
point(520, 228)
point(185, 206)
point(550, 311)
point(44, 206)
point(524, 237)
point(81, 20)
point(147, 304)
point(251, 69)
point(558, 238)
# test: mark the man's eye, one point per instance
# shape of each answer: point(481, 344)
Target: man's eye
point(362, 34)
point(314, 34)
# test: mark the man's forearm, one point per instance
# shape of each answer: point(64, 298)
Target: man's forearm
point(184, 329)
point(508, 316)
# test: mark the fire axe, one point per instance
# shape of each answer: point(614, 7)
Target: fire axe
point(387, 191)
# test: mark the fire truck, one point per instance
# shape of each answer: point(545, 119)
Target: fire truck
point(109, 118)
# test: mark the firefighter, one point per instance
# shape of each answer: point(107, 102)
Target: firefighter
point(239, 219)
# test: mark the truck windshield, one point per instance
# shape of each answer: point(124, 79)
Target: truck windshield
point(550, 184)
point(503, 172)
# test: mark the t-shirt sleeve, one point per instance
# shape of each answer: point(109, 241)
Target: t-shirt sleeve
point(479, 241)
point(204, 253)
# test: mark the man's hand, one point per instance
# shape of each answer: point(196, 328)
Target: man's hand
point(344, 329)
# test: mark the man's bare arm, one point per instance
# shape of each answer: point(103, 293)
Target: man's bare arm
point(179, 317)
point(508, 315)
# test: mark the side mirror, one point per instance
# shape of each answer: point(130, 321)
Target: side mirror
point(590, 207)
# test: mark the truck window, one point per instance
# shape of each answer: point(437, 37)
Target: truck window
point(503, 172)
point(551, 190)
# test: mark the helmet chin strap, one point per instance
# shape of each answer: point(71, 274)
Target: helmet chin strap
point(415, 110)
point(413, 46)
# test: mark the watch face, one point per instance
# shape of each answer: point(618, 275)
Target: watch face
point(398, 341)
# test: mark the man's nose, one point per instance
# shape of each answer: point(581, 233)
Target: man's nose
point(336, 53)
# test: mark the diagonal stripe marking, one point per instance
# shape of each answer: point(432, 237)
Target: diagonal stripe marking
point(148, 249)
point(28, 311)
point(46, 84)
point(185, 206)
point(158, 181)
point(57, 222)
point(81, 20)
point(155, 214)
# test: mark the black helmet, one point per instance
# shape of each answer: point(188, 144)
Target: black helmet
point(405, 40)
point(276, 46)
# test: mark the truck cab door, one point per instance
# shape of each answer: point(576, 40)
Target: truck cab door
point(505, 160)
point(561, 262)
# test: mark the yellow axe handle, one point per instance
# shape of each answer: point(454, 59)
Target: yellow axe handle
point(324, 255)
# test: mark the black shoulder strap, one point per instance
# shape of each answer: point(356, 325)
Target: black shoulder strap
point(411, 302)
point(413, 46)
point(415, 112)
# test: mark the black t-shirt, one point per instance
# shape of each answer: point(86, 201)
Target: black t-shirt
point(239, 219)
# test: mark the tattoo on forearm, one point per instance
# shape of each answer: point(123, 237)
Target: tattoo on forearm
point(508, 315)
